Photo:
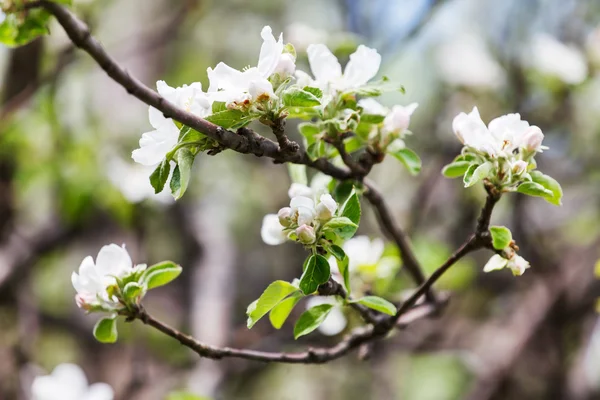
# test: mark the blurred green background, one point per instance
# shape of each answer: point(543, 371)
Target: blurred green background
point(68, 186)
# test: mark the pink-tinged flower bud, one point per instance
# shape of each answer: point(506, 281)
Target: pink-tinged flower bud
point(286, 65)
point(532, 139)
point(306, 234)
point(518, 167)
point(285, 216)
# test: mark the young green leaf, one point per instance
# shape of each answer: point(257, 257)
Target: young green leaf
point(228, 118)
point(534, 189)
point(342, 226)
point(311, 319)
point(456, 169)
point(160, 274)
point(295, 97)
point(410, 159)
point(318, 93)
point(549, 184)
point(342, 263)
point(371, 118)
point(132, 290)
point(351, 209)
point(272, 295)
point(378, 304)
point(159, 177)
point(501, 237)
point(105, 330)
point(181, 175)
point(476, 173)
point(218, 106)
point(316, 273)
point(281, 311)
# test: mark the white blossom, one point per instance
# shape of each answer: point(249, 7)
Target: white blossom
point(532, 140)
point(271, 231)
point(364, 254)
point(303, 210)
point(68, 382)
point(285, 216)
point(232, 86)
point(155, 145)
point(299, 189)
point(94, 278)
point(335, 322)
point(326, 207)
point(516, 264)
point(396, 120)
point(306, 234)
point(132, 180)
point(553, 58)
point(501, 137)
point(363, 66)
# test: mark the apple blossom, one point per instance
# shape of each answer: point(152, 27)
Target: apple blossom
point(306, 234)
point(532, 140)
point(285, 216)
point(519, 166)
point(93, 279)
point(155, 145)
point(232, 86)
point(68, 382)
point(326, 207)
point(271, 231)
point(500, 138)
point(515, 263)
point(335, 322)
point(299, 189)
point(303, 210)
point(363, 66)
point(364, 255)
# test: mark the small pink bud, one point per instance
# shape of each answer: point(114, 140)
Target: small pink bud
point(532, 139)
point(306, 234)
point(519, 167)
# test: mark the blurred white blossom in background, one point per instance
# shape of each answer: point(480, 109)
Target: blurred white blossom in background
point(68, 382)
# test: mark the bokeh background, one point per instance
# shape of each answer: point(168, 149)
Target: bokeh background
point(68, 186)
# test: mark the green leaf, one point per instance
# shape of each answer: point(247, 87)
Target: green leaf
point(105, 330)
point(456, 169)
point(132, 290)
point(159, 177)
point(318, 93)
point(272, 295)
point(189, 135)
point(410, 159)
point(377, 88)
point(316, 273)
point(281, 311)
point(160, 274)
point(228, 118)
point(295, 97)
point(298, 173)
point(19, 29)
point(342, 191)
point(342, 262)
point(371, 118)
point(378, 304)
point(351, 209)
point(218, 106)
point(535, 189)
point(342, 226)
point(181, 174)
point(476, 173)
point(501, 237)
point(550, 184)
point(311, 319)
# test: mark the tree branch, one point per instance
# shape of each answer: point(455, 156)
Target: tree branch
point(248, 143)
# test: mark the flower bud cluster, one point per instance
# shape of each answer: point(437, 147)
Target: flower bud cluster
point(302, 220)
point(391, 131)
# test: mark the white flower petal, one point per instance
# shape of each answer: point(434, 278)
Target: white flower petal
point(298, 189)
point(155, 145)
point(363, 66)
point(372, 106)
point(113, 260)
point(272, 231)
point(323, 64)
point(270, 52)
point(496, 262)
point(99, 391)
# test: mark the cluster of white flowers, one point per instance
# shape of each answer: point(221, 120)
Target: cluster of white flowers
point(508, 142)
point(94, 279)
point(68, 382)
point(515, 263)
point(310, 208)
point(233, 87)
